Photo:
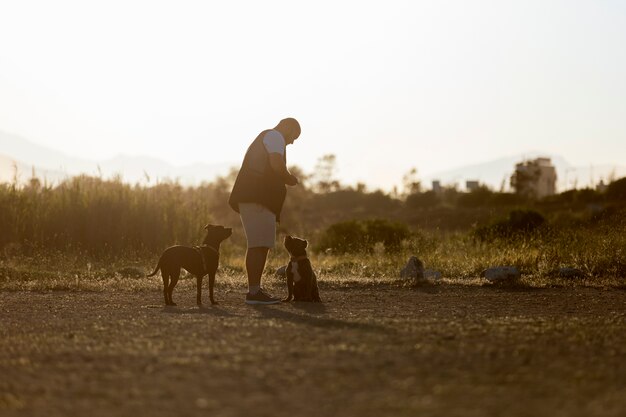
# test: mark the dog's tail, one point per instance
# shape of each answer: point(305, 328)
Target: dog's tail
point(155, 269)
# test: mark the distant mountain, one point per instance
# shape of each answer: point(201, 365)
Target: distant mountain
point(497, 173)
point(54, 166)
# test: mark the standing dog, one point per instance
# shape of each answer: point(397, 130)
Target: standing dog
point(197, 260)
point(301, 280)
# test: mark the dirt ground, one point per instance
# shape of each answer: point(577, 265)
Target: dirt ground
point(369, 351)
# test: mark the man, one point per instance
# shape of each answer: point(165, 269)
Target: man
point(258, 196)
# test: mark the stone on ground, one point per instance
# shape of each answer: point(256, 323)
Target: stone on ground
point(501, 274)
point(414, 268)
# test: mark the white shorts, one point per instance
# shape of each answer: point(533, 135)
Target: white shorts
point(259, 225)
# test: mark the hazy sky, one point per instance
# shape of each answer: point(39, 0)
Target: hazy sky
point(384, 85)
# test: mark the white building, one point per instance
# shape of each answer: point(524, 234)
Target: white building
point(437, 186)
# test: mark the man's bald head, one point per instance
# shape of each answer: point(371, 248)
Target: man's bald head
point(289, 128)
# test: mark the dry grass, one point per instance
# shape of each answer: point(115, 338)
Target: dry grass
point(597, 253)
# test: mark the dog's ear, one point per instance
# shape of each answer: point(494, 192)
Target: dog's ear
point(306, 243)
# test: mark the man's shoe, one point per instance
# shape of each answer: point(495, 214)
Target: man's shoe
point(261, 297)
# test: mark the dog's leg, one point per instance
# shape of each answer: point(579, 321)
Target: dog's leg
point(211, 285)
point(309, 289)
point(316, 290)
point(173, 281)
point(166, 281)
point(199, 290)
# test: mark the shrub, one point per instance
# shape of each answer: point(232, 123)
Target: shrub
point(361, 235)
point(343, 237)
point(479, 197)
point(616, 191)
point(507, 199)
point(574, 197)
point(391, 234)
point(520, 223)
point(426, 199)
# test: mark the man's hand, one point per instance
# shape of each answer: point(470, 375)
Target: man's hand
point(278, 165)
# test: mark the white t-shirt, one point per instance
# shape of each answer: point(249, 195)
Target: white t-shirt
point(274, 142)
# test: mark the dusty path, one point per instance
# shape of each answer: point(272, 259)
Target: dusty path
point(444, 350)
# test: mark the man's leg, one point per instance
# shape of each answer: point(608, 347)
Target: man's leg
point(255, 264)
point(260, 227)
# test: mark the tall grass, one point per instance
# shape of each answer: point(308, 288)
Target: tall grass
point(103, 218)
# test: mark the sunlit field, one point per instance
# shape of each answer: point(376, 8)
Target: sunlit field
point(85, 330)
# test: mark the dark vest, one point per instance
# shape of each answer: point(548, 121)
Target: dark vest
point(257, 182)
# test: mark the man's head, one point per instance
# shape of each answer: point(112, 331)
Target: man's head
point(289, 128)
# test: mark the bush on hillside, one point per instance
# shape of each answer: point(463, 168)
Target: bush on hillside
point(616, 191)
point(422, 200)
point(480, 197)
point(579, 197)
point(520, 223)
point(361, 235)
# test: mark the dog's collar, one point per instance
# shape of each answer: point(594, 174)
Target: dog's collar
point(204, 262)
point(299, 258)
point(210, 247)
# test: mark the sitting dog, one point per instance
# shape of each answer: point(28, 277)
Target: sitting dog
point(301, 280)
point(197, 260)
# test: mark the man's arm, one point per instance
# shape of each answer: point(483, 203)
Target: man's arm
point(278, 165)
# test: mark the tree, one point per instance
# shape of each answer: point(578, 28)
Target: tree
point(324, 180)
point(525, 178)
point(410, 183)
point(535, 179)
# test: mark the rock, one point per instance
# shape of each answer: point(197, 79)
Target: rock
point(432, 274)
point(501, 274)
point(282, 271)
point(569, 272)
point(414, 268)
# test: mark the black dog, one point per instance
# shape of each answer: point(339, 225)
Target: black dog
point(301, 280)
point(198, 260)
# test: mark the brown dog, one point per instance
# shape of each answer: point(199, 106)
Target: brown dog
point(301, 280)
point(197, 260)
